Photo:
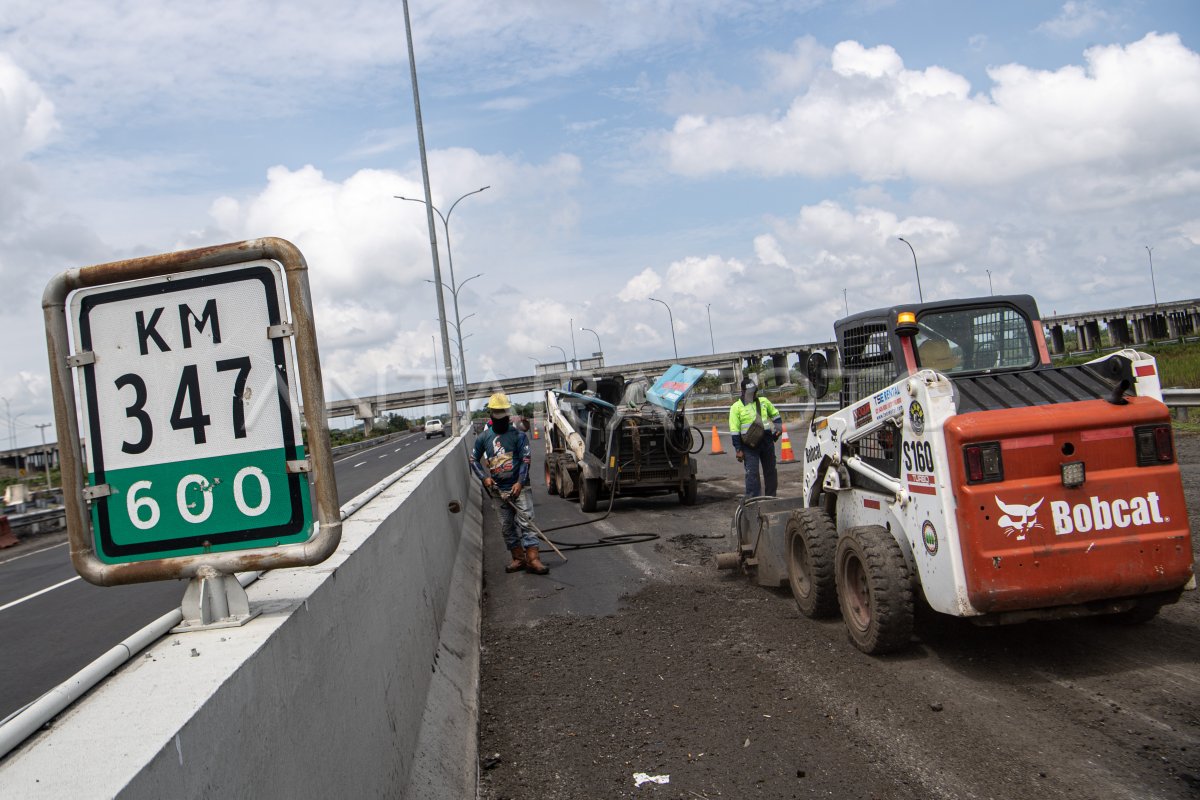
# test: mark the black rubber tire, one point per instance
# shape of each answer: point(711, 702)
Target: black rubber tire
point(566, 483)
point(551, 479)
point(812, 540)
point(687, 495)
point(589, 494)
point(874, 590)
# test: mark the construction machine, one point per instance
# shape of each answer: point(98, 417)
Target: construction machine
point(966, 471)
point(607, 437)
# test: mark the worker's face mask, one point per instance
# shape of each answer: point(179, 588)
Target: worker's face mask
point(749, 393)
point(500, 424)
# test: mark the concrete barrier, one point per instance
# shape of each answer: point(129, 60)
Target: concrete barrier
point(360, 678)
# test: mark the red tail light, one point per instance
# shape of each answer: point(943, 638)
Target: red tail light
point(983, 462)
point(1154, 445)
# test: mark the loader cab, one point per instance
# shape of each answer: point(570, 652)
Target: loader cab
point(974, 336)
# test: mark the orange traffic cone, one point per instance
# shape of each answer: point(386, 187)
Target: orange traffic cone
point(535, 433)
point(785, 449)
point(716, 443)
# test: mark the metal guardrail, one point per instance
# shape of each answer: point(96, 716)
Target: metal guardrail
point(1173, 398)
point(1181, 398)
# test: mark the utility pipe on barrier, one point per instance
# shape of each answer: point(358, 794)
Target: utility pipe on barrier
point(22, 724)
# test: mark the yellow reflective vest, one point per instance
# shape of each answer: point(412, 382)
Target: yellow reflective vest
point(741, 416)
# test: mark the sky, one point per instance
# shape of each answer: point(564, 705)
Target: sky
point(752, 163)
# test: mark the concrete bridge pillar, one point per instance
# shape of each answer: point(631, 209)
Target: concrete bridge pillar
point(1139, 330)
point(1093, 334)
point(1118, 330)
point(1174, 326)
point(1158, 326)
point(780, 368)
point(366, 413)
point(1058, 343)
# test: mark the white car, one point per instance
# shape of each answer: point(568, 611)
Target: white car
point(434, 427)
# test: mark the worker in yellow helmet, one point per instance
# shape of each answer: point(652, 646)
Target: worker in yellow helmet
point(501, 457)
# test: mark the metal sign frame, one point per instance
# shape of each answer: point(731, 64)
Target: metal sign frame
point(320, 460)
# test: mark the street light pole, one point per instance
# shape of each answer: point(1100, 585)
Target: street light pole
point(711, 340)
point(1150, 254)
point(437, 268)
point(920, 294)
point(670, 317)
point(45, 453)
point(454, 287)
point(989, 272)
point(12, 445)
point(845, 302)
point(458, 321)
point(574, 352)
point(599, 347)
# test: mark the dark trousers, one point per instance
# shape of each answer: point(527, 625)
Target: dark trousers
point(763, 455)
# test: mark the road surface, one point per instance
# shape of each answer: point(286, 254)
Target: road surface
point(644, 658)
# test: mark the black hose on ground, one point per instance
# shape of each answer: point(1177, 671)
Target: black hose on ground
point(604, 541)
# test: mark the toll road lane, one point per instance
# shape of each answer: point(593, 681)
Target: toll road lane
point(48, 633)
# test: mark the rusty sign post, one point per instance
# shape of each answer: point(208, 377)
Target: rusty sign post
point(183, 372)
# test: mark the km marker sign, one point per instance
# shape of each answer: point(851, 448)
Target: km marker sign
point(187, 389)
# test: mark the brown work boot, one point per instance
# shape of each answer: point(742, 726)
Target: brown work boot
point(518, 562)
point(533, 563)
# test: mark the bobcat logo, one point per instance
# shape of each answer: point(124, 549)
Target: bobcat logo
point(1018, 519)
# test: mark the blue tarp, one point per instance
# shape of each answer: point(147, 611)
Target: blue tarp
point(670, 390)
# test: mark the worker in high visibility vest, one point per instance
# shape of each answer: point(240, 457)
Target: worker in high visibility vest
point(753, 443)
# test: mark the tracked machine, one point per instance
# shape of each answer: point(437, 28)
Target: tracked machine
point(967, 472)
point(607, 437)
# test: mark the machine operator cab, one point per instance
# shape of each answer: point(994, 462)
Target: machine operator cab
point(979, 336)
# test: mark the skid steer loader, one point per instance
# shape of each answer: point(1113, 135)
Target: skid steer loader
point(966, 471)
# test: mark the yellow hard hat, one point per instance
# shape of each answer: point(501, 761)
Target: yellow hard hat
point(499, 402)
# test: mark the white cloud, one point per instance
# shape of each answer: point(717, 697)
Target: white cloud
point(1076, 18)
point(369, 258)
point(27, 118)
point(212, 60)
point(865, 114)
point(794, 70)
point(510, 103)
point(640, 286)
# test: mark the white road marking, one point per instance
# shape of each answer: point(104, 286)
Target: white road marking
point(398, 449)
point(385, 455)
point(361, 452)
point(34, 553)
point(35, 594)
point(359, 464)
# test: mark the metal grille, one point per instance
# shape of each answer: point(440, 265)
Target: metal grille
point(1033, 388)
point(973, 340)
point(880, 449)
point(867, 362)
